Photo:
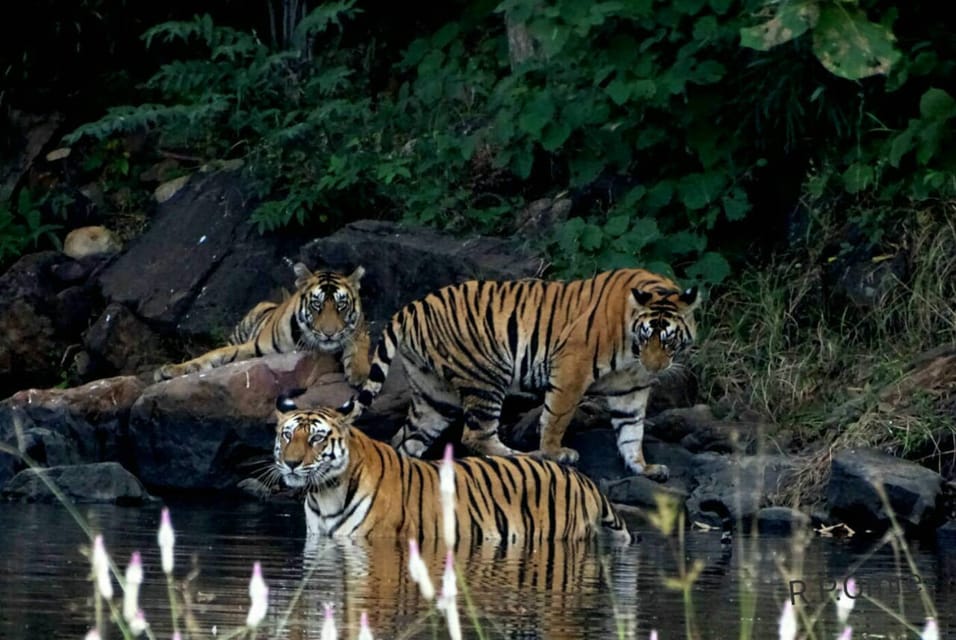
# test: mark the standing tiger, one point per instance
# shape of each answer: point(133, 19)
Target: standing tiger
point(324, 314)
point(466, 346)
point(359, 487)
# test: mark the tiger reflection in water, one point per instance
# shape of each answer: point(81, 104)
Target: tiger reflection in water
point(562, 590)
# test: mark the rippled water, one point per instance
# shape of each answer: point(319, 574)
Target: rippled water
point(562, 591)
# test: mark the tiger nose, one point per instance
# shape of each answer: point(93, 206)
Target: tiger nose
point(292, 464)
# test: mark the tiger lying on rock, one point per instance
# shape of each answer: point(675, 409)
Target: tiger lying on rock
point(324, 314)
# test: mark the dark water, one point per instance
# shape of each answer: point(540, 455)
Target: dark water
point(565, 591)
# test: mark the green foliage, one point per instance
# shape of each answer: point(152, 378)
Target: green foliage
point(22, 226)
point(659, 118)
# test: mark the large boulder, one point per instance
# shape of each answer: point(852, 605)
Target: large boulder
point(56, 427)
point(96, 482)
point(201, 264)
point(403, 264)
point(736, 487)
point(858, 477)
point(41, 316)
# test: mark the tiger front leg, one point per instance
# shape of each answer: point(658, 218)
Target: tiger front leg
point(560, 403)
point(627, 419)
point(355, 358)
point(207, 361)
point(482, 409)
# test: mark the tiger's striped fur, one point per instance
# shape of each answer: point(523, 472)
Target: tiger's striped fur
point(324, 314)
point(359, 487)
point(466, 346)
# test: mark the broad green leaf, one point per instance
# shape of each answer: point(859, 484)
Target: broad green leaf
point(708, 72)
point(521, 162)
point(902, 144)
point(857, 177)
point(643, 89)
point(793, 19)
point(852, 47)
point(684, 242)
point(537, 112)
point(616, 225)
point(585, 167)
point(937, 104)
point(711, 267)
point(736, 205)
point(697, 189)
point(591, 237)
point(554, 135)
point(660, 195)
point(619, 90)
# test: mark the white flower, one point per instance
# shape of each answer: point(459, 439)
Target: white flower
point(329, 632)
point(101, 568)
point(447, 600)
point(418, 572)
point(134, 578)
point(788, 622)
point(653, 634)
point(446, 487)
point(930, 631)
point(259, 597)
point(365, 632)
point(845, 600)
point(137, 624)
point(167, 540)
point(92, 634)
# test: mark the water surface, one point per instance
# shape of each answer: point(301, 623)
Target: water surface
point(573, 590)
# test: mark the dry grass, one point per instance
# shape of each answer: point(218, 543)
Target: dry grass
point(838, 377)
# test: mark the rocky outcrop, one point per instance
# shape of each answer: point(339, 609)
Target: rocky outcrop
point(201, 265)
point(97, 482)
point(403, 264)
point(56, 427)
point(864, 482)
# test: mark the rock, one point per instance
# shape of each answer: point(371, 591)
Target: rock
point(170, 188)
point(120, 343)
point(913, 492)
point(68, 426)
point(30, 344)
point(97, 482)
point(206, 430)
point(91, 241)
point(735, 487)
point(403, 264)
point(946, 535)
point(674, 424)
point(201, 265)
point(640, 491)
point(781, 521)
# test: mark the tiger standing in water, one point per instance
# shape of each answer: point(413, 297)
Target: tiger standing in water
point(324, 314)
point(466, 346)
point(357, 487)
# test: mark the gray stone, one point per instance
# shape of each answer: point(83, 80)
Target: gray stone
point(403, 264)
point(735, 487)
point(781, 521)
point(68, 426)
point(97, 482)
point(912, 491)
point(120, 343)
point(201, 264)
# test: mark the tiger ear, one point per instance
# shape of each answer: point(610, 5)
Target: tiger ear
point(302, 275)
point(356, 276)
point(642, 297)
point(285, 402)
point(350, 410)
point(690, 298)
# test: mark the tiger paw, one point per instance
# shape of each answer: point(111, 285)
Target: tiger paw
point(564, 455)
point(657, 472)
point(166, 372)
point(357, 378)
